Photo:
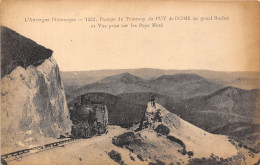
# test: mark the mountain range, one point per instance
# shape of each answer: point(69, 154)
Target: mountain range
point(178, 86)
point(244, 80)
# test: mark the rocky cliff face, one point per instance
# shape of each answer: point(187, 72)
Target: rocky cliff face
point(33, 104)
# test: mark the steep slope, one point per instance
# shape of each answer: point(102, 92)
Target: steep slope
point(33, 104)
point(165, 138)
point(226, 106)
point(182, 86)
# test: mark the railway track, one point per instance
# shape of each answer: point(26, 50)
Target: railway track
point(38, 148)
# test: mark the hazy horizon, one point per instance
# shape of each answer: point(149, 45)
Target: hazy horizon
point(155, 69)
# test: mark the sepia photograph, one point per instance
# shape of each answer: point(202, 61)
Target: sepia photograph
point(115, 82)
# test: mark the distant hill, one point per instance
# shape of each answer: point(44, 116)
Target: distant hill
point(123, 77)
point(123, 83)
point(244, 83)
point(178, 86)
point(178, 78)
point(82, 78)
point(223, 107)
point(182, 86)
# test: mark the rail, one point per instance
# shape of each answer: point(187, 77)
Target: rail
point(16, 153)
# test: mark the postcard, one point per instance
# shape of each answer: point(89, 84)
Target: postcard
point(130, 82)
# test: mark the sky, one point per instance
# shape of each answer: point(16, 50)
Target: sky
point(231, 45)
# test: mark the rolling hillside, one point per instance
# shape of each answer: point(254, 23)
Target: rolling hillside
point(123, 83)
point(229, 111)
point(182, 86)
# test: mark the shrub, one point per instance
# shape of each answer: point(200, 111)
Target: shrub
point(161, 129)
point(124, 139)
point(115, 156)
point(140, 157)
point(132, 158)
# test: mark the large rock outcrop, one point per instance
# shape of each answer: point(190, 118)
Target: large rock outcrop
point(33, 104)
point(164, 137)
